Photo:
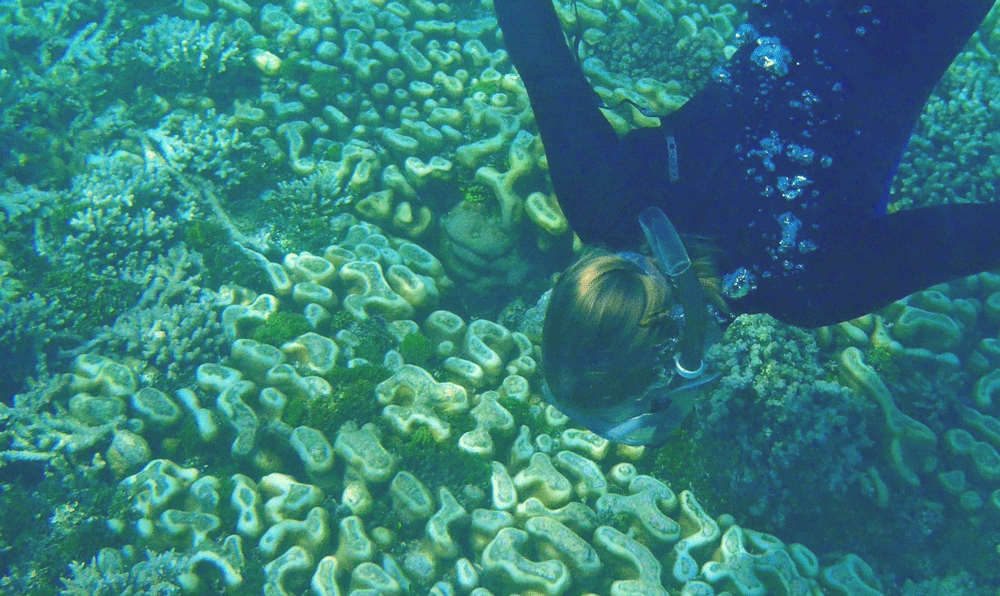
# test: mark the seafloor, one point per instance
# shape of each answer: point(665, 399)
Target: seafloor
point(269, 276)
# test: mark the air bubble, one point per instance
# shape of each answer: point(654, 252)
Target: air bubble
point(772, 56)
point(790, 226)
point(739, 283)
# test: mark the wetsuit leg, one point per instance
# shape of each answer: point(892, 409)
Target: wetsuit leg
point(888, 258)
point(581, 147)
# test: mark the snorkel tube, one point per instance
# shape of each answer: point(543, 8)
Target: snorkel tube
point(674, 261)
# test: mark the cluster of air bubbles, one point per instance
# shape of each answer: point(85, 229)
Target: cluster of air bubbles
point(866, 10)
point(791, 187)
point(799, 154)
point(771, 143)
point(806, 246)
point(737, 284)
point(721, 75)
point(770, 146)
point(771, 56)
point(809, 99)
point(745, 34)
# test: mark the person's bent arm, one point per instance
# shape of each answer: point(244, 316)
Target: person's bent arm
point(582, 149)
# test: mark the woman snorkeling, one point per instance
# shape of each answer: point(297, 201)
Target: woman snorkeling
point(774, 178)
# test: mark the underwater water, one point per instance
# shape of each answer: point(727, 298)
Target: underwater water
point(269, 277)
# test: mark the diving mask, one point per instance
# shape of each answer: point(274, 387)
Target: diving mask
point(661, 408)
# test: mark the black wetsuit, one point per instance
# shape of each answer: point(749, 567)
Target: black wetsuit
point(788, 172)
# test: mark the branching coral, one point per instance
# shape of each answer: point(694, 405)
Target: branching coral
point(776, 423)
point(177, 55)
point(108, 574)
point(30, 333)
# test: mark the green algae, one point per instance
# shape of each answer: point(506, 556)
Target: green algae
point(529, 415)
point(421, 454)
point(281, 327)
point(353, 399)
point(46, 522)
point(416, 349)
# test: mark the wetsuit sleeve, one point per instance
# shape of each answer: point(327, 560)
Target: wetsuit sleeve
point(582, 149)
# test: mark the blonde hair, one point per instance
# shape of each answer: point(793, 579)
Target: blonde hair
point(604, 319)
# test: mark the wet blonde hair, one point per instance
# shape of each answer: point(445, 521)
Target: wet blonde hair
point(604, 319)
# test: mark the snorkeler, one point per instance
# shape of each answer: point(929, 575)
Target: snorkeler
point(775, 178)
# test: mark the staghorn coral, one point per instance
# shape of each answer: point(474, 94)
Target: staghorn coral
point(54, 66)
point(18, 201)
point(108, 574)
point(54, 508)
point(175, 322)
point(201, 143)
point(181, 56)
point(31, 330)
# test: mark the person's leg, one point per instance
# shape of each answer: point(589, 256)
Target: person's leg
point(918, 248)
point(887, 259)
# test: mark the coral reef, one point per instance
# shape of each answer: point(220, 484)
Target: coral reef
point(361, 498)
point(254, 260)
point(778, 421)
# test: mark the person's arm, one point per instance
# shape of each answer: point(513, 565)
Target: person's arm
point(582, 149)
